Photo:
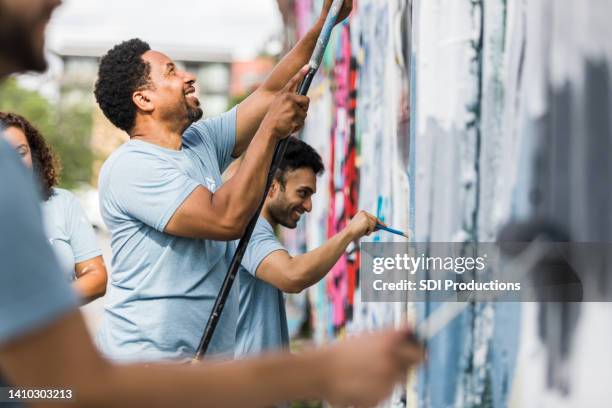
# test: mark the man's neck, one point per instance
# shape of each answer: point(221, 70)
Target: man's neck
point(266, 214)
point(158, 134)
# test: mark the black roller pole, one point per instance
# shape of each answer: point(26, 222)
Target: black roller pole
point(279, 153)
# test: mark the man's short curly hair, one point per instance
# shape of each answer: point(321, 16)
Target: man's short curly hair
point(298, 155)
point(46, 165)
point(122, 72)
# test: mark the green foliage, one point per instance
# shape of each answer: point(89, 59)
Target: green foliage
point(235, 100)
point(66, 127)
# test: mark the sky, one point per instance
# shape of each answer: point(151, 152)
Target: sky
point(238, 27)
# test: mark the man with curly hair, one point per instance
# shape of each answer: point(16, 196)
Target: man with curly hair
point(163, 201)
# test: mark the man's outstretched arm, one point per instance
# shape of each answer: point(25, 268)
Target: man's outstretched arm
point(360, 371)
point(294, 274)
point(252, 110)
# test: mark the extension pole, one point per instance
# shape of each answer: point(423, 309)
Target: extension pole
point(315, 61)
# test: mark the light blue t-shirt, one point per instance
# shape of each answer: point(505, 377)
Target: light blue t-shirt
point(162, 287)
point(262, 321)
point(69, 231)
point(33, 292)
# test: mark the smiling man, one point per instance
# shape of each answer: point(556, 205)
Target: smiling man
point(162, 200)
point(172, 221)
point(267, 268)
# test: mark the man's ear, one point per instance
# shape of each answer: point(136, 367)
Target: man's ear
point(142, 100)
point(273, 188)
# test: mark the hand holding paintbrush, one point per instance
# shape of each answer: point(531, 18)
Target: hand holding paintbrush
point(364, 223)
point(383, 227)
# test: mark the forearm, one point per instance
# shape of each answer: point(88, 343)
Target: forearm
point(91, 286)
point(247, 383)
point(240, 197)
point(254, 108)
point(312, 266)
point(294, 60)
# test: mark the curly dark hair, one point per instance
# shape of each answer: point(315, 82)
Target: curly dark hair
point(122, 72)
point(44, 161)
point(298, 155)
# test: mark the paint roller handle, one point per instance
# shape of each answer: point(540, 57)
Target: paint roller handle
point(317, 54)
point(391, 230)
point(305, 85)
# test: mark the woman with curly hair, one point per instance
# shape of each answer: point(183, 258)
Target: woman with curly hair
point(68, 230)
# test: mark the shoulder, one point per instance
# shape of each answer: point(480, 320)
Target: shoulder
point(61, 194)
point(60, 198)
point(210, 127)
point(263, 243)
point(128, 151)
point(65, 198)
point(130, 160)
point(212, 124)
point(264, 233)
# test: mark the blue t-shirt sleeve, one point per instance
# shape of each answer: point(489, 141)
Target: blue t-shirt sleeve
point(217, 135)
point(33, 291)
point(82, 236)
point(262, 243)
point(146, 187)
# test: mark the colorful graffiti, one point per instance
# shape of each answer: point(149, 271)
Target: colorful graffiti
point(451, 119)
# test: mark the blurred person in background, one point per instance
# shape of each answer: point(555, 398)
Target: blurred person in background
point(268, 270)
point(69, 231)
point(43, 339)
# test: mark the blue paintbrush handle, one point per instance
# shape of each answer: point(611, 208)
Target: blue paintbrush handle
point(391, 230)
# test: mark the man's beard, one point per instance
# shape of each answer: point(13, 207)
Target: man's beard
point(281, 215)
point(194, 114)
point(17, 42)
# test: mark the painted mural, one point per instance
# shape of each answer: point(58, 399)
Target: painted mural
point(452, 119)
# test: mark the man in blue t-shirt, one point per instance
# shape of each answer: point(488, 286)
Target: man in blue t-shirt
point(267, 268)
point(162, 197)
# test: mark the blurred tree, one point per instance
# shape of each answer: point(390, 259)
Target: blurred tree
point(66, 127)
point(236, 99)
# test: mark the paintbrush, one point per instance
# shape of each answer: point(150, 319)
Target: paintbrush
point(391, 230)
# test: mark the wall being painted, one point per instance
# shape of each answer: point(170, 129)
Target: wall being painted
point(451, 119)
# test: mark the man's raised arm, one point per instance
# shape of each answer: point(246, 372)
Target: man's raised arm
point(253, 109)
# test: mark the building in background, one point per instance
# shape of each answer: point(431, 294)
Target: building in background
point(247, 75)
